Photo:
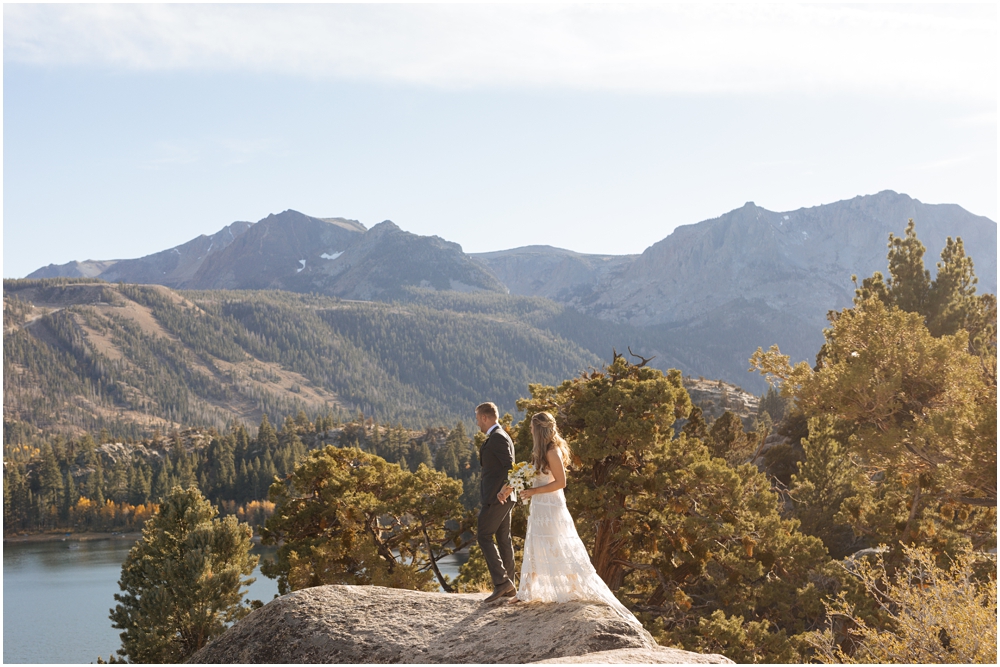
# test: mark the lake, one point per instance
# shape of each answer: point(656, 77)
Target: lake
point(57, 596)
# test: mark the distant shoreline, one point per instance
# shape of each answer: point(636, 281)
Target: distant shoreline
point(64, 536)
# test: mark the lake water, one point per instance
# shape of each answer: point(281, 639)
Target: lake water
point(57, 596)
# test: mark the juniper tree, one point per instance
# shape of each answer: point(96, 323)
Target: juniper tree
point(345, 516)
point(919, 412)
point(696, 547)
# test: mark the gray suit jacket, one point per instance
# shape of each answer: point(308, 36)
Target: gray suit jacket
point(496, 458)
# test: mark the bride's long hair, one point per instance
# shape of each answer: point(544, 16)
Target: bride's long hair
point(546, 436)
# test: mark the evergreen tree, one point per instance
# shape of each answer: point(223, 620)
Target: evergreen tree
point(824, 480)
point(70, 495)
point(727, 440)
point(182, 582)
point(918, 412)
point(50, 482)
point(421, 455)
point(909, 286)
point(696, 547)
point(141, 488)
point(952, 294)
point(348, 517)
point(161, 483)
point(773, 404)
point(290, 447)
point(447, 459)
point(267, 439)
point(695, 426)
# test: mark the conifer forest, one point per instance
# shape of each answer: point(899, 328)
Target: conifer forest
point(799, 526)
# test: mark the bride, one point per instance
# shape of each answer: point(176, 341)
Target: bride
point(556, 566)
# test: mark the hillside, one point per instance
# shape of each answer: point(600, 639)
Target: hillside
point(83, 355)
point(701, 300)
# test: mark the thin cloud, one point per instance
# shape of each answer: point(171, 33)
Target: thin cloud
point(627, 48)
point(945, 163)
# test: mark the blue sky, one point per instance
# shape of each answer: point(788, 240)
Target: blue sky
point(129, 129)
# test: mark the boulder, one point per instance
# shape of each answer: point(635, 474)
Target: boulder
point(371, 624)
point(660, 655)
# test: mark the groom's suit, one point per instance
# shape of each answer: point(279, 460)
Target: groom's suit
point(496, 458)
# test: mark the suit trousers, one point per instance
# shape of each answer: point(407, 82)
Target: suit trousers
point(494, 522)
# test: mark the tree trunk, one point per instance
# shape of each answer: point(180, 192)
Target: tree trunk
point(896, 557)
point(606, 546)
point(913, 515)
point(434, 566)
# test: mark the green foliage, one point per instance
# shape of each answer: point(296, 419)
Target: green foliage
point(825, 479)
point(182, 582)
point(348, 517)
point(728, 441)
point(918, 413)
point(930, 614)
point(773, 404)
point(910, 284)
point(695, 546)
point(167, 358)
point(913, 406)
point(474, 575)
point(948, 303)
point(616, 419)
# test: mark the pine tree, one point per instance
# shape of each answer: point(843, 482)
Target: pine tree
point(952, 294)
point(727, 440)
point(421, 455)
point(267, 439)
point(909, 286)
point(773, 404)
point(161, 483)
point(824, 480)
point(70, 495)
point(50, 481)
point(446, 459)
point(696, 546)
point(695, 426)
point(182, 582)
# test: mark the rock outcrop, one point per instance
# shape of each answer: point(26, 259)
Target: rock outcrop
point(371, 624)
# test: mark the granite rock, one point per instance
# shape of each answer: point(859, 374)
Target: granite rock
point(371, 624)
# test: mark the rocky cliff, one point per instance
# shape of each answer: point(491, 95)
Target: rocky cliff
point(371, 624)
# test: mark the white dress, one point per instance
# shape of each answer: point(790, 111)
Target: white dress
point(556, 566)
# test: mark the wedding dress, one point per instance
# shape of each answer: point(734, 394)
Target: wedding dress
point(556, 566)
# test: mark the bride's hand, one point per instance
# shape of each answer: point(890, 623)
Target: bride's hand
point(527, 493)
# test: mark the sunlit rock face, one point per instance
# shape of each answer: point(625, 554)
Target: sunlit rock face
point(371, 624)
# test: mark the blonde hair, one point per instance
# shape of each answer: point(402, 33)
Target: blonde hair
point(488, 409)
point(546, 436)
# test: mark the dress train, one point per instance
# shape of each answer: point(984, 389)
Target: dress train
point(556, 566)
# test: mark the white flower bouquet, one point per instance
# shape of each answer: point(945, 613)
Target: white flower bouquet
point(520, 478)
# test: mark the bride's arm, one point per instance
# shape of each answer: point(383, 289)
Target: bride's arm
point(558, 473)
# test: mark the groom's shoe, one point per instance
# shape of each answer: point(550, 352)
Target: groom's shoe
point(504, 590)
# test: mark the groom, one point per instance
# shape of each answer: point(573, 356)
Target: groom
point(496, 458)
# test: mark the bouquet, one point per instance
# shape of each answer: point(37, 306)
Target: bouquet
point(520, 478)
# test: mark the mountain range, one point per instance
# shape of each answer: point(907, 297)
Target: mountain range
point(702, 299)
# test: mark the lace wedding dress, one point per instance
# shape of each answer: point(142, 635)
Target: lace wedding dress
point(556, 566)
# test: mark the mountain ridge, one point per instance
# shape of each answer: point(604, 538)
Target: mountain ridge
point(703, 298)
